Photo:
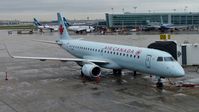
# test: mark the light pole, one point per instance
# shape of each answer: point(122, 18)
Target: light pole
point(174, 10)
point(135, 7)
point(185, 9)
point(112, 9)
point(123, 10)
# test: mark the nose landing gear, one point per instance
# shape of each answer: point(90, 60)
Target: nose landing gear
point(159, 84)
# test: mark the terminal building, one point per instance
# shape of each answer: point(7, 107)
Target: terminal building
point(132, 20)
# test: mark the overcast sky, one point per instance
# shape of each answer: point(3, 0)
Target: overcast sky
point(81, 9)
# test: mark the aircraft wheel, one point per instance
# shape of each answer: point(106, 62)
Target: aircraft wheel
point(159, 84)
point(117, 72)
point(82, 74)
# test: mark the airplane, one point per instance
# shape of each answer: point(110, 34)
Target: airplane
point(92, 56)
point(78, 28)
point(44, 27)
point(151, 26)
point(162, 26)
point(165, 26)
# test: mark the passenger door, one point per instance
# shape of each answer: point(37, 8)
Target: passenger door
point(148, 61)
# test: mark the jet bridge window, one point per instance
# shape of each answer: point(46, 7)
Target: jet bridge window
point(168, 59)
point(160, 59)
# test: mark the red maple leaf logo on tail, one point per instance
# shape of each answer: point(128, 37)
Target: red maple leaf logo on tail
point(61, 29)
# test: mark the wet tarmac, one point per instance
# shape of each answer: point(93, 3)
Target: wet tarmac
point(35, 86)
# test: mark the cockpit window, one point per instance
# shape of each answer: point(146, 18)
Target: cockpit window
point(160, 59)
point(168, 59)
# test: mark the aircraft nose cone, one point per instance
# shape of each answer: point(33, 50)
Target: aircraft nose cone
point(179, 71)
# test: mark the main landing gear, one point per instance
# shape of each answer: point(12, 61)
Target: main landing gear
point(159, 84)
point(118, 74)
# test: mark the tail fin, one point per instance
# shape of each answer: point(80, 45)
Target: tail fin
point(36, 22)
point(66, 22)
point(161, 20)
point(62, 28)
point(148, 22)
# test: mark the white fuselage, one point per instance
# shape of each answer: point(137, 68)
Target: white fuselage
point(81, 28)
point(47, 27)
point(125, 57)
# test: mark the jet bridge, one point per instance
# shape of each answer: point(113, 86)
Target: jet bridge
point(185, 54)
point(168, 46)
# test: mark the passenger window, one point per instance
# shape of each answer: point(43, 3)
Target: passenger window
point(160, 59)
point(168, 59)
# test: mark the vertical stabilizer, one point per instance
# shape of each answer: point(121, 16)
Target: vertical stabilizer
point(161, 20)
point(66, 22)
point(62, 28)
point(36, 22)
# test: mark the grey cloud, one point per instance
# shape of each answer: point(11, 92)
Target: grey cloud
point(94, 7)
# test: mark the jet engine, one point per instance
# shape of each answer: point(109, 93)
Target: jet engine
point(91, 70)
point(88, 30)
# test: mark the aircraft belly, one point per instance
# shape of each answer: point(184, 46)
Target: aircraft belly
point(111, 65)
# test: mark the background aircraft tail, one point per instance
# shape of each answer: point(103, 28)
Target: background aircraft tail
point(66, 22)
point(62, 28)
point(161, 20)
point(36, 23)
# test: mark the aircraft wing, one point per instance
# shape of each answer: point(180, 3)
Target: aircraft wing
point(180, 27)
point(153, 26)
point(44, 41)
point(62, 59)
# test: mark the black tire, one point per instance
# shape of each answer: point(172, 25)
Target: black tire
point(159, 85)
point(82, 74)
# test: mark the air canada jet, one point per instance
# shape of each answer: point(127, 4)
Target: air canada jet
point(44, 27)
point(78, 28)
point(92, 56)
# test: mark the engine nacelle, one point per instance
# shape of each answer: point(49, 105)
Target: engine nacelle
point(88, 30)
point(91, 70)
